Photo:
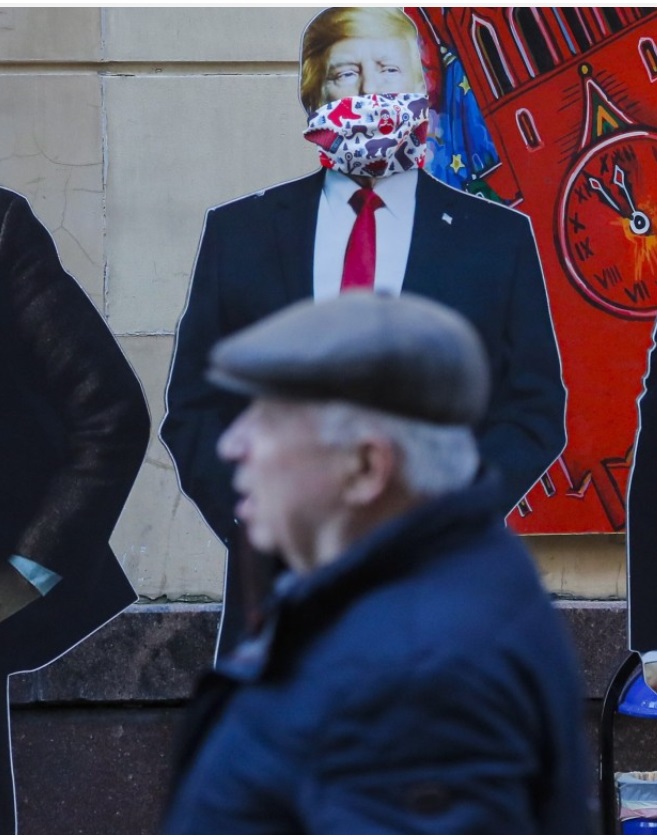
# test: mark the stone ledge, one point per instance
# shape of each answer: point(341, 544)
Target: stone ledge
point(93, 770)
point(150, 653)
point(154, 653)
point(599, 632)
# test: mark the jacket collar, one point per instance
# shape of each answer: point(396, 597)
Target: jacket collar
point(295, 221)
point(391, 550)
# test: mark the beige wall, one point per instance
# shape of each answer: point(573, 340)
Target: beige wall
point(122, 126)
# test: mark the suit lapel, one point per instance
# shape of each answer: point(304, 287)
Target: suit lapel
point(430, 249)
point(295, 220)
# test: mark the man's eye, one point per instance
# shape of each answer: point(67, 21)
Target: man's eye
point(343, 75)
point(390, 70)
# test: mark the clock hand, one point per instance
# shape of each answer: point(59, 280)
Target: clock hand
point(619, 180)
point(639, 221)
point(598, 187)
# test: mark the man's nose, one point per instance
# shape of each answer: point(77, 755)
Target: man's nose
point(368, 81)
point(232, 442)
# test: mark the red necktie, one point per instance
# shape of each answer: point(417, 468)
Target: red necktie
point(360, 255)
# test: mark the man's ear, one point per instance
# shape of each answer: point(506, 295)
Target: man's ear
point(373, 468)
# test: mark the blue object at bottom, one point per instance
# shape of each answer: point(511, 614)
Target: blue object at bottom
point(638, 699)
point(638, 825)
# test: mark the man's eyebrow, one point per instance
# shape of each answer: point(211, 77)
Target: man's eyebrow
point(346, 63)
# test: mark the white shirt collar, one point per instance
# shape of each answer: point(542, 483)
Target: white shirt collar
point(397, 191)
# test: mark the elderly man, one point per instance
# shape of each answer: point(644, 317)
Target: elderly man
point(369, 218)
point(411, 675)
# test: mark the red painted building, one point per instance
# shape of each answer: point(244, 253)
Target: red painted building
point(570, 98)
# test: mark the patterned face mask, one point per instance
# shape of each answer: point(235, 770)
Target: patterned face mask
point(373, 135)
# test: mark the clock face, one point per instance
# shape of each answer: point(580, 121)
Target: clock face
point(607, 224)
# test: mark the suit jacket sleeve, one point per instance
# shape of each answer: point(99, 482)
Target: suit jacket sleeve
point(524, 431)
point(66, 359)
point(197, 412)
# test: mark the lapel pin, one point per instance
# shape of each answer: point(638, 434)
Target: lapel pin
point(447, 218)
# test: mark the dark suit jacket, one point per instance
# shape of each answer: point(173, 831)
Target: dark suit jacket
point(256, 256)
point(641, 523)
point(73, 431)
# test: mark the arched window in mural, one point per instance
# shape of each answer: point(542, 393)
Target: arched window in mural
point(492, 59)
point(574, 28)
point(529, 30)
point(527, 126)
point(648, 53)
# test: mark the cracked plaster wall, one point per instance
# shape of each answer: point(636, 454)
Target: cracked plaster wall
point(122, 126)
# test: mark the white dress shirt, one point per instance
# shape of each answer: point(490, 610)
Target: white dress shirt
point(394, 227)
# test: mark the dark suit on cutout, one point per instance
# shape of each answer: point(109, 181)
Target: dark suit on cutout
point(73, 431)
point(641, 527)
point(256, 256)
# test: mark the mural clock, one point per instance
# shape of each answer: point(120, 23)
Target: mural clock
point(607, 223)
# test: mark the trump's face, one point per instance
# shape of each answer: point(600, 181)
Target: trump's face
point(289, 480)
point(357, 66)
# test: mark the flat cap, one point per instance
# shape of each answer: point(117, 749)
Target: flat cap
point(408, 356)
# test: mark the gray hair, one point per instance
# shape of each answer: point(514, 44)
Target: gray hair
point(435, 458)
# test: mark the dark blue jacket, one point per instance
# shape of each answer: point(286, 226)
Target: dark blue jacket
point(420, 684)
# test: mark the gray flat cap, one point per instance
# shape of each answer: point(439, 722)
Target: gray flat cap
point(408, 356)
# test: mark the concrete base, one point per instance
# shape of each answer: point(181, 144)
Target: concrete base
point(93, 733)
point(93, 770)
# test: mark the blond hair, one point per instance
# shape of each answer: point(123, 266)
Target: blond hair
point(337, 24)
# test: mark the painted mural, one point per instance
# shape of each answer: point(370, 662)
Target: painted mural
point(553, 111)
